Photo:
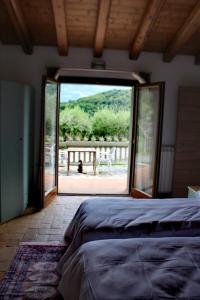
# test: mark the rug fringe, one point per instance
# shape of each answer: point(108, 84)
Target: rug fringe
point(42, 244)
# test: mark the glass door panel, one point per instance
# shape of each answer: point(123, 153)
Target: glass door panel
point(147, 140)
point(50, 137)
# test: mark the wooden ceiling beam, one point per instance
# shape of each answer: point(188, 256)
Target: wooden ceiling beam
point(61, 25)
point(101, 26)
point(149, 18)
point(17, 19)
point(190, 26)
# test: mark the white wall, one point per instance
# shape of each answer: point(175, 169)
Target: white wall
point(14, 65)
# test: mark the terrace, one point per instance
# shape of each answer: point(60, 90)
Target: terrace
point(97, 177)
point(107, 180)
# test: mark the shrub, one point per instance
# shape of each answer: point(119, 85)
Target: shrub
point(85, 138)
point(69, 138)
point(124, 139)
point(108, 138)
point(115, 138)
point(77, 138)
point(93, 138)
point(101, 139)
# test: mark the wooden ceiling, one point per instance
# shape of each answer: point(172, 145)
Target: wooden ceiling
point(168, 26)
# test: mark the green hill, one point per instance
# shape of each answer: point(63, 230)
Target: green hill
point(113, 99)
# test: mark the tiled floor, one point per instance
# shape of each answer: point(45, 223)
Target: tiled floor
point(47, 225)
point(107, 181)
point(87, 184)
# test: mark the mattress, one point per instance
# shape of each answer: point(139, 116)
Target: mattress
point(111, 218)
point(130, 269)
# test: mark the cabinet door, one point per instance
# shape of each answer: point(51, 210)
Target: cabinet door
point(187, 150)
point(27, 137)
point(11, 150)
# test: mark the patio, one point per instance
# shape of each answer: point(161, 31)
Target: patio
point(102, 183)
point(112, 179)
point(109, 179)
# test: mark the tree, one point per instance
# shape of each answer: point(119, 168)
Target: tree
point(74, 122)
point(113, 99)
point(104, 123)
point(123, 123)
point(107, 122)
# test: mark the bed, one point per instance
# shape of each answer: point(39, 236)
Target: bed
point(114, 218)
point(134, 269)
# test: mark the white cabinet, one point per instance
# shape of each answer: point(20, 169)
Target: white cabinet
point(16, 148)
point(187, 152)
point(194, 191)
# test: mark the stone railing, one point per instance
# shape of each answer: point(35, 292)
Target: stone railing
point(120, 155)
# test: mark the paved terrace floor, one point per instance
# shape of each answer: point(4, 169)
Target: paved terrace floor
point(105, 182)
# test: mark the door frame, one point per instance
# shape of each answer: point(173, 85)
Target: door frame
point(115, 82)
point(102, 81)
point(138, 193)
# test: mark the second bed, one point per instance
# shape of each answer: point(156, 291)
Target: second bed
point(121, 218)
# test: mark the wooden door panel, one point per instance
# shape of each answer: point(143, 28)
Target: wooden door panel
point(187, 153)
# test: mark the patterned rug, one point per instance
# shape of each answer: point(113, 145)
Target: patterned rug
point(32, 274)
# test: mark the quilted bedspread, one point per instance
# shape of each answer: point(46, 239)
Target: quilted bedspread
point(111, 218)
point(130, 269)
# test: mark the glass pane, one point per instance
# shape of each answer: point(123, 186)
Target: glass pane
point(146, 139)
point(50, 136)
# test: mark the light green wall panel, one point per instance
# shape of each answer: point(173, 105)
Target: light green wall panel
point(15, 148)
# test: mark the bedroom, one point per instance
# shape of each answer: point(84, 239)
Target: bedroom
point(182, 71)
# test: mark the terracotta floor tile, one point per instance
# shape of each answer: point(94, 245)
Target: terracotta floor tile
point(12, 243)
point(42, 237)
point(4, 265)
point(2, 275)
point(16, 229)
point(56, 237)
point(6, 253)
point(10, 236)
point(30, 235)
point(47, 225)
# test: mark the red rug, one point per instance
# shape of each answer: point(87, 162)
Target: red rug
point(32, 273)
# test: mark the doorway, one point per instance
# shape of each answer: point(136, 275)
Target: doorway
point(100, 156)
point(94, 138)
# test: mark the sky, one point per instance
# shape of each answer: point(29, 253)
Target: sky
point(75, 91)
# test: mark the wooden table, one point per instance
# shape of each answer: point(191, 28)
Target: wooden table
point(82, 150)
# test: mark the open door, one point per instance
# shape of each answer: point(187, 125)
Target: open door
point(148, 115)
point(49, 148)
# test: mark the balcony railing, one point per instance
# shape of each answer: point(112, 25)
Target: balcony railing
point(120, 157)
